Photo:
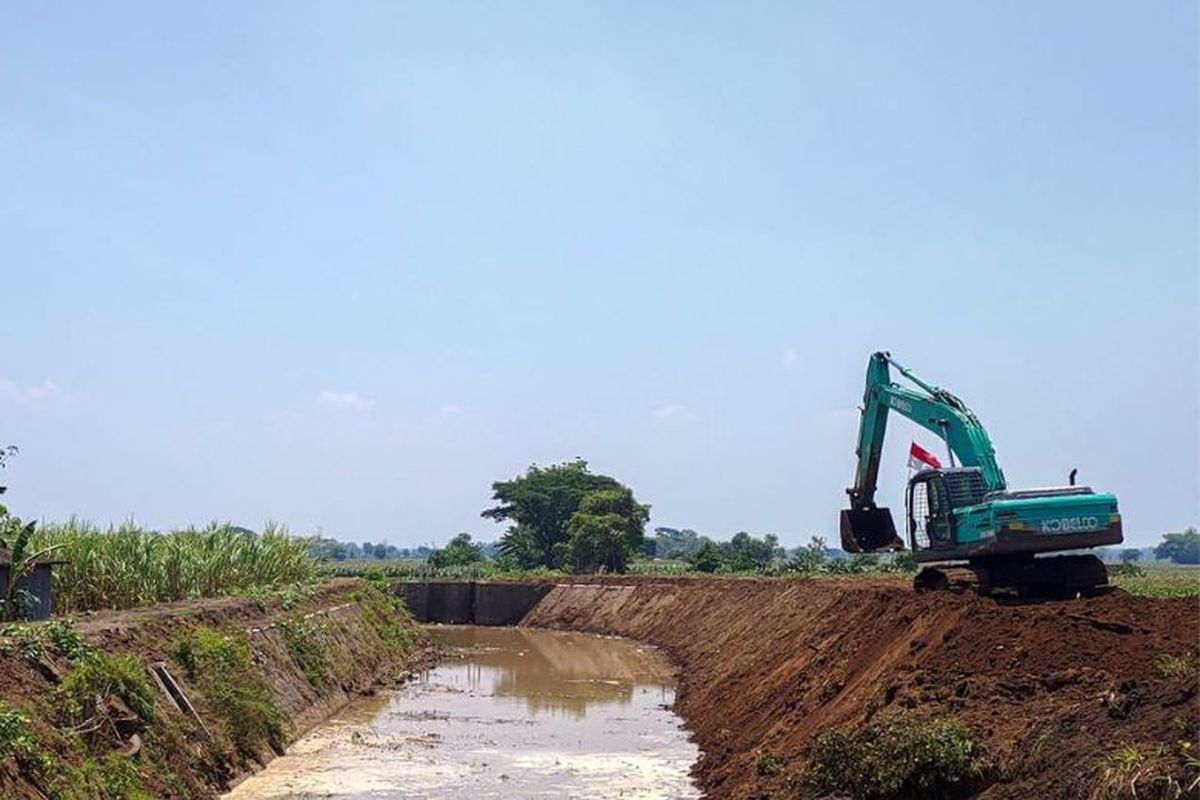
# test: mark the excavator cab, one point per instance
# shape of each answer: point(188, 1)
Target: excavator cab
point(932, 497)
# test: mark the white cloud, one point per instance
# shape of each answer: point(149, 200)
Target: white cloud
point(674, 412)
point(344, 401)
point(451, 410)
point(791, 361)
point(13, 392)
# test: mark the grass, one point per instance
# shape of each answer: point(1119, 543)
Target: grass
point(1160, 580)
point(899, 758)
point(221, 664)
point(127, 565)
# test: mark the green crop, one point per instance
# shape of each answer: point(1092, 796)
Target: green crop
point(127, 565)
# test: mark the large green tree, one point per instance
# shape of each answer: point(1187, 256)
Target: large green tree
point(541, 504)
point(1182, 548)
point(461, 551)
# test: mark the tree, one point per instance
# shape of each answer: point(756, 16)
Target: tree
point(540, 505)
point(1130, 554)
point(673, 543)
point(461, 551)
point(745, 553)
point(1182, 548)
point(606, 531)
point(380, 551)
point(707, 557)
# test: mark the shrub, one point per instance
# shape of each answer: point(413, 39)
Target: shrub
point(899, 758)
point(101, 674)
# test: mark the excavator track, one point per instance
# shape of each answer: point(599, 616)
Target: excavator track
point(1054, 577)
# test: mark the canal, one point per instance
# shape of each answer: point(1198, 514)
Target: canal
point(509, 712)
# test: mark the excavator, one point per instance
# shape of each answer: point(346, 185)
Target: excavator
point(968, 529)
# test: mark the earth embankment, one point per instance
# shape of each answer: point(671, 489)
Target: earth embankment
point(181, 700)
point(1053, 690)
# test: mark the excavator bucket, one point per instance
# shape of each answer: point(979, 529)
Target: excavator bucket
point(867, 530)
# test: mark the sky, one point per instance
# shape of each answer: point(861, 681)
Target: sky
point(341, 266)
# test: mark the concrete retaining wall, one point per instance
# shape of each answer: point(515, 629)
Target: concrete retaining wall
point(471, 602)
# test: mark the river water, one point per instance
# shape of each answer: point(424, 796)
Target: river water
point(509, 713)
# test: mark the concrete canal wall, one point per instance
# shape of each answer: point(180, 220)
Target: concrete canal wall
point(471, 602)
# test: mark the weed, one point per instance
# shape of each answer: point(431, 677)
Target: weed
point(68, 641)
point(896, 758)
point(16, 739)
point(26, 638)
point(302, 639)
point(768, 765)
point(1177, 666)
point(221, 665)
point(101, 674)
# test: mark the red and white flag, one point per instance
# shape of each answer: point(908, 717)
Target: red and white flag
point(920, 458)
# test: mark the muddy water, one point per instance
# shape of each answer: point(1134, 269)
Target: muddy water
point(510, 713)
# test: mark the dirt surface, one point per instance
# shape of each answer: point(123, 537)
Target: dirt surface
point(1051, 689)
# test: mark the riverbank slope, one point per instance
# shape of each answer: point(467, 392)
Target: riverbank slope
point(1068, 699)
point(182, 700)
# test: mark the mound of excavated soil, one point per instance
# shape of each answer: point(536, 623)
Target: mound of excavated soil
point(1050, 688)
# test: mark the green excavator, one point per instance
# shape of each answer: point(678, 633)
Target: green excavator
point(964, 523)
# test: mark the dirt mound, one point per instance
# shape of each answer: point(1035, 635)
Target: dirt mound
point(1052, 690)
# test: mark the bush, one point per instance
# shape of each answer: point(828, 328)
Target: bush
point(899, 758)
point(707, 558)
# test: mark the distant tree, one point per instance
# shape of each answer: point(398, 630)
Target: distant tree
point(1130, 554)
point(461, 551)
point(368, 550)
point(380, 551)
point(540, 506)
point(745, 552)
point(707, 557)
point(674, 543)
point(606, 531)
point(1182, 548)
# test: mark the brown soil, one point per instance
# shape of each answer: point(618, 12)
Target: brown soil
point(1050, 689)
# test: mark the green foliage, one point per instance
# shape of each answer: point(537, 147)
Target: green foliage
point(220, 663)
point(16, 738)
point(24, 639)
point(1177, 666)
point(768, 765)
point(541, 504)
point(387, 615)
point(810, 559)
point(745, 552)
point(606, 531)
point(1130, 554)
point(461, 551)
point(1156, 580)
point(100, 675)
point(302, 638)
point(670, 543)
point(1182, 548)
point(708, 558)
point(68, 641)
point(899, 758)
point(130, 566)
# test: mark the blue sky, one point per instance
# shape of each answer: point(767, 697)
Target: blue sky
point(343, 265)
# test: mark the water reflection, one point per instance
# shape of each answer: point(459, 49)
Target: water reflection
point(550, 672)
point(510, 713)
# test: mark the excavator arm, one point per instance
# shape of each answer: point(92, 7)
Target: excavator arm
point(867, 527)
